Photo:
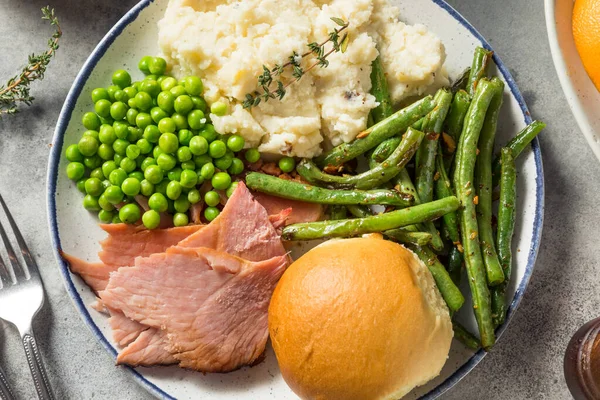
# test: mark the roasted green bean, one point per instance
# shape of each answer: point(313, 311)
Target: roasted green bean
point(454, 124)
point(376, 223)
point(401, 235)
point(394, 125)
point(379, 89)
point(359, 211)
point(506, 228)
point(465, 190)
point(481, 58)
point(372, 178)
point(337, 212)
point(313, 194)
point(462, 81)
point(465, 337)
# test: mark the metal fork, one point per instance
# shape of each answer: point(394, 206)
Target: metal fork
point(5, 392)
point(20, 300)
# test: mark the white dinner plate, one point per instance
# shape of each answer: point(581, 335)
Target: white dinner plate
point(76, 231)
point(582, 95)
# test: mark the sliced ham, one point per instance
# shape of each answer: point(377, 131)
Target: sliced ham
point(242, 229)
point(301, 211)
point(95, 275)
point(150, 348)
point(125, 330)
point(212, 305)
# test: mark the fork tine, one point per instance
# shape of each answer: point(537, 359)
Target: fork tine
point(4, 274)
point(32, 266)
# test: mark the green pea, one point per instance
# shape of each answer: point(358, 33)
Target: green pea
point(93, 186)
point(153, 174)
point(114, 194)
point(152, 134)
point(167, 125)
point(107, 135)
point(174, 174)
point(183, 104)
point(106, 121)
point(157, 65)
point(91, 121)
point(158, 202)
point(147, 162)
point(75, 170)
point(137, 175)
point(166, 162)
point(168, 83)
point(130, 116)
point(237, 167)
point(191, 165)
point(81, 185)
point(184, 154)
point(157, 151)
point(130, 91)
point(168, 142)
point(106, 152)
point(121, 78)
point(196, 119)
point(131, 186)
point(108, 167)
point(151, 87)
point(142, 120)
point(117, 176)
point(157, 114)
point(177, 91)
point(221, 180)
point(91, 133)
point(105, 216)
point(174, 190)
point(134, 134)
point(73, 154)
point(138, 163)
point(211, 198)
point(92, 162)
point(194, 196)
point(207, 171)
point(120, 146)
point(210, 213)
point(180, 121)
point(133, 151)
point(151, 219)
point(116, 219)
point(252, 155)
point(130, 213)
point(180, 219)
point(128, 165)
point(193, 85)
point(217, 149)
point(209, 133)
point(146, 188)
point(182, 204)
point(200, 177)
point(143, 101)
point(88, 146)
point(235, 143)
point(90, 203)
point(118, 158)
point(201, 160)
point(151, 77)
point(120, 95)
point(111, 92)
point(287, 164)
point(218, 108)
point(102, 108)
point(185, 136)
point(99, 94)
point(188, 179)
point(131, 103)
point(144, 145)
point(118, 110)
point(143, 64)
point(104, 203)
point(200, 104)
point(198, 145)
point(224, 162)
point(231, 189)
point(166, 101)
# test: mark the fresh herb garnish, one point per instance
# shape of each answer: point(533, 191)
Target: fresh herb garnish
point(266, 79)
point(16, 90)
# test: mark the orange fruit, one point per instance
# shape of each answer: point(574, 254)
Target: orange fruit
point(586, 31)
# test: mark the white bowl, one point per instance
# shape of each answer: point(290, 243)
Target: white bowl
point(76, 231)
point(582, 95)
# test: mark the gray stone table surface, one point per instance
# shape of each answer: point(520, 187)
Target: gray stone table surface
point(526, 364)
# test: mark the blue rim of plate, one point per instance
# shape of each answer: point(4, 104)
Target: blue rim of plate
point(57, 145)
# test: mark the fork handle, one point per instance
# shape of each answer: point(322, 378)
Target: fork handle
point(34, 358)
point(5, 392)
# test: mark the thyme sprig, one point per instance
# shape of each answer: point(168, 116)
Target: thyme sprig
point(16, 90)
point(317, 50)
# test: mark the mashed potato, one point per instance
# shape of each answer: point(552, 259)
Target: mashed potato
point(227, 42)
